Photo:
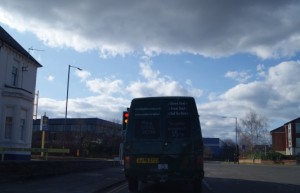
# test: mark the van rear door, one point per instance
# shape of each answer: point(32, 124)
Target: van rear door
point(163, 138)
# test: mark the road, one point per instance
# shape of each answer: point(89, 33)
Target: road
point(91, 181)
point(219, 178)
point(232, 178)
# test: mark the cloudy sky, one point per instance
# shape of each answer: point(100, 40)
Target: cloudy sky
point(233, 56)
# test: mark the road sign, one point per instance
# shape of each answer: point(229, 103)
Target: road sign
point(44, 123)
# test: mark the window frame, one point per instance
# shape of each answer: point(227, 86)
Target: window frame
point(14, 76)
point(297, 127)
point(22, 128)
point(8, 127)
point(298, 142)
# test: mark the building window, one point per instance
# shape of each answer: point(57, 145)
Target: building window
point(22, 128)
point(14, 76)
point(8, 127)
point(22, 124)
point(297, 142)
point(297, 127)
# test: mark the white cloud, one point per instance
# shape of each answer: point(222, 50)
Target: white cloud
point(52, 107)
point(147, 72)
point(242, 76)
point(189, 82)
point(268, 30)
point(158, 87)
point(285, 80)
point(105, 86)
point(119, 28)
point(276, 97)
point(156, 84)
point(82, 74)
point(254, 95)
point(87, 107)
point(50, 78)
point(112, 91)
point(261, 70)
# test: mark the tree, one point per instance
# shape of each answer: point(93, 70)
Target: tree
point(228, 149)
point(254, 130)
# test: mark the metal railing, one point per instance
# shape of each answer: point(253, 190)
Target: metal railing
point(45, 151)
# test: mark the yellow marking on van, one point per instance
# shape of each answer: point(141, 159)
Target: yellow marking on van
point(148, 160)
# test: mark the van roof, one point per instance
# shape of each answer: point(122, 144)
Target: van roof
point(165, 104)
point(164, 97)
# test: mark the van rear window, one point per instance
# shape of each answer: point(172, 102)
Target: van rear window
point(178, 128)
point(147, 128)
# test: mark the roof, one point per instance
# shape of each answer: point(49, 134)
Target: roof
point(5, 37)
point(74, 121)
point(279, 129)
point(163, 98)
point(297, 120)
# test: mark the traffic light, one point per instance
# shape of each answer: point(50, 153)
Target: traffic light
point(125, 119)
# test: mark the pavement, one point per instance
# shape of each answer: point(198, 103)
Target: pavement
point(79, 182)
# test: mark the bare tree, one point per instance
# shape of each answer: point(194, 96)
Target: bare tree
point(229, 147)
point(254, 131)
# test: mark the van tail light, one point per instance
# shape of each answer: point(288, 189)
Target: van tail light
point(199, 160)
point(127, 162)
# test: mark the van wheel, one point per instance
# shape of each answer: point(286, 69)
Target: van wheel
point(197, 186)
point(133, 185)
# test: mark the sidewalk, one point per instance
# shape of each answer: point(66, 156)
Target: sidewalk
point(83, 182)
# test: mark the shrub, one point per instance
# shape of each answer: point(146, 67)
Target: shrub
point(275, 156)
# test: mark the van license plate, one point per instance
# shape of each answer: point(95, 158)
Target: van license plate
point(148, 160)
point(163, 166)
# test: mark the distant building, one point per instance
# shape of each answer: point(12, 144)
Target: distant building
point(18, 71)
point(78, 133)
point(213, 148)
point(286, 139)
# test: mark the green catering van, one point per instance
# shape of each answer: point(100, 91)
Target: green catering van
point(163, 142)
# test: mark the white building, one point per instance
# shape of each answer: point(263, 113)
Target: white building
point(18, 71)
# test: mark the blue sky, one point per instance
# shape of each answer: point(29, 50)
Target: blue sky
point(232, 56)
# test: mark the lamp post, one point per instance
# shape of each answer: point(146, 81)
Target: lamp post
point(66, 112)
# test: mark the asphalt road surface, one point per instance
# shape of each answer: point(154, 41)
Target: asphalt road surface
point(232, 178)
point(219, 178)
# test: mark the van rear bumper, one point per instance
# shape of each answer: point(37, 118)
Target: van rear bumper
point(164, 175)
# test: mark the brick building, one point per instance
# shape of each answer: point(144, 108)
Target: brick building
point(286, 139)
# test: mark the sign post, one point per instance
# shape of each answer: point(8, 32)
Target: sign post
point(43, 127)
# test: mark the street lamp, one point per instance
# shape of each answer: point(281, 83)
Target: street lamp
point(66, 112)
point(236, 146)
